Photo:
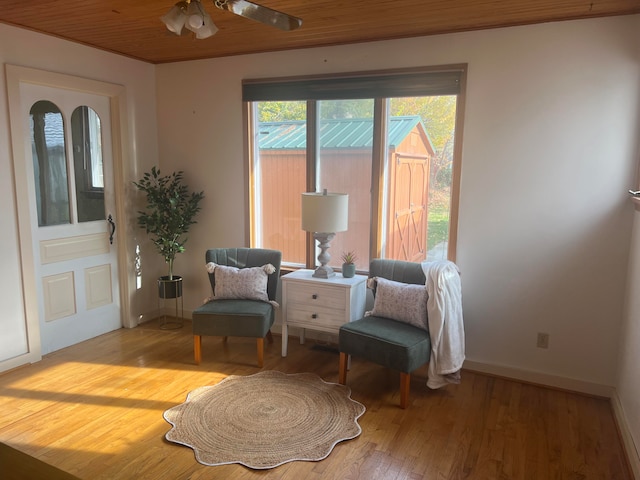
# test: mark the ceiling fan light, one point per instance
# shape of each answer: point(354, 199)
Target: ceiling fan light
point(195, 16)
point(207, 30)
point(174, 19)
point(195, 22)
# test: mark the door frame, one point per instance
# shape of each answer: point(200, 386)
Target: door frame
point(15, 76)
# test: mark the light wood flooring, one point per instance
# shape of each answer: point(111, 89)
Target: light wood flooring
point(95, 410)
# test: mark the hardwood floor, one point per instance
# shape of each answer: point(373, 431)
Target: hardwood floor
point(95, 410)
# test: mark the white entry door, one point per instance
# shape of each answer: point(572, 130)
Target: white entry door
point(71, 204)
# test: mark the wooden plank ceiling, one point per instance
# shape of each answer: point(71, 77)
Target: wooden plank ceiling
point(133, 27)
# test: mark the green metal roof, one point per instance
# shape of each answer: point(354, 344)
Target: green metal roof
point(334, 133)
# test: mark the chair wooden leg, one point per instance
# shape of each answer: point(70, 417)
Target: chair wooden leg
point(342, 375)
point(260, 342)
point(197, 348)
point(405, 382)
point(269, 337)
point(224, 339)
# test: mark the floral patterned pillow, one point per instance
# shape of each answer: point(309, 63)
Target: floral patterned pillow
point(404, 302)
point(240, 283)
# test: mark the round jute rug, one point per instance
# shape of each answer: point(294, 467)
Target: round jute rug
point(264, 420)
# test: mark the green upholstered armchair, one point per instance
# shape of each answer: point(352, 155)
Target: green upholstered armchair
point(393, 344)
point(238, 317)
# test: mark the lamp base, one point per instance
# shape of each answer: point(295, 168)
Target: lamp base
point(324, 271)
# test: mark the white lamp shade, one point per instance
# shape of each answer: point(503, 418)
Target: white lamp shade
point(328, 213)
point(207, 29)
point(195, 16)
point(175, 18)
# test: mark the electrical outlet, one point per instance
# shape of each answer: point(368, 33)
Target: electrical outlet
point(543, 340)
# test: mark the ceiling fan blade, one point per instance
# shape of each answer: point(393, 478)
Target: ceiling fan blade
point(259, 13)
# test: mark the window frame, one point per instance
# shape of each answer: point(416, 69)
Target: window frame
point(379, 85)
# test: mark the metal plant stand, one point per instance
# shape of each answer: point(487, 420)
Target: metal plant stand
point(171, 290)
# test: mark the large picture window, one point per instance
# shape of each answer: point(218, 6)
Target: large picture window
point(391, 140)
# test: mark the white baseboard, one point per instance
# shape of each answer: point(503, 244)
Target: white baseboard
point(498, 370)
point(147, 317)
point(541, 378)
point(627, 439)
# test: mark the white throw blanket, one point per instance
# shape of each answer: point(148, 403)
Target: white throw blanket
point(444, 309)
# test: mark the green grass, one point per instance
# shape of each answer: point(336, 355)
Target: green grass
point(437, 225)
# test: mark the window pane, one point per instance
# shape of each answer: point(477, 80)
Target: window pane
point(87, 162)
point(95, 146)
point(344, 164)
point(280, 172)
point(49, 163)
point(418, 188)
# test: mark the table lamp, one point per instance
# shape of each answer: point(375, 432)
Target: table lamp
point(324, 214)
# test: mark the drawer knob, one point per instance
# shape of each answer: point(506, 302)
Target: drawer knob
point(314, 296)
point(314, 315)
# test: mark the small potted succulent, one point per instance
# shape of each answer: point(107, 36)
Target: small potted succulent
point(349, 264)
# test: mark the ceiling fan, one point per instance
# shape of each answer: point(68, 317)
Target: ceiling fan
point(260, 13)
point(191, 15)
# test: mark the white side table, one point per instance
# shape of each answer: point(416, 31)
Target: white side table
point(319, 303)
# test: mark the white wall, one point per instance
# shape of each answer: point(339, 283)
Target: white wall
point(25, 48)
point(550, 137)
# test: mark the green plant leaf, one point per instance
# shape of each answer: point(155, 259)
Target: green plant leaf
point(169, 213)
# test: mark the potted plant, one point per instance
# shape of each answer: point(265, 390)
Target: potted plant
point(169, 213)
point(349, 264)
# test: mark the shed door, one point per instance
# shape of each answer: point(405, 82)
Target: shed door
point(407, 236)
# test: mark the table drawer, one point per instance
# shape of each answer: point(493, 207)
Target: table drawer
point(317, 295)
point(317, 316)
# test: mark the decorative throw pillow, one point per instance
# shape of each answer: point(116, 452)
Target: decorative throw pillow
point(404, 302)
point(240, 283)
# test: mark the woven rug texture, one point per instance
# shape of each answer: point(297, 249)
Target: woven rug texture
point(264, 420)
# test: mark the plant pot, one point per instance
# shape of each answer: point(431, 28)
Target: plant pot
point(348, 270)
point(170, 288)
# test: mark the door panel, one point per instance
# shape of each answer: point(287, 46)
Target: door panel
point(68, 248)
point(98, 285)
point(58, 296)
